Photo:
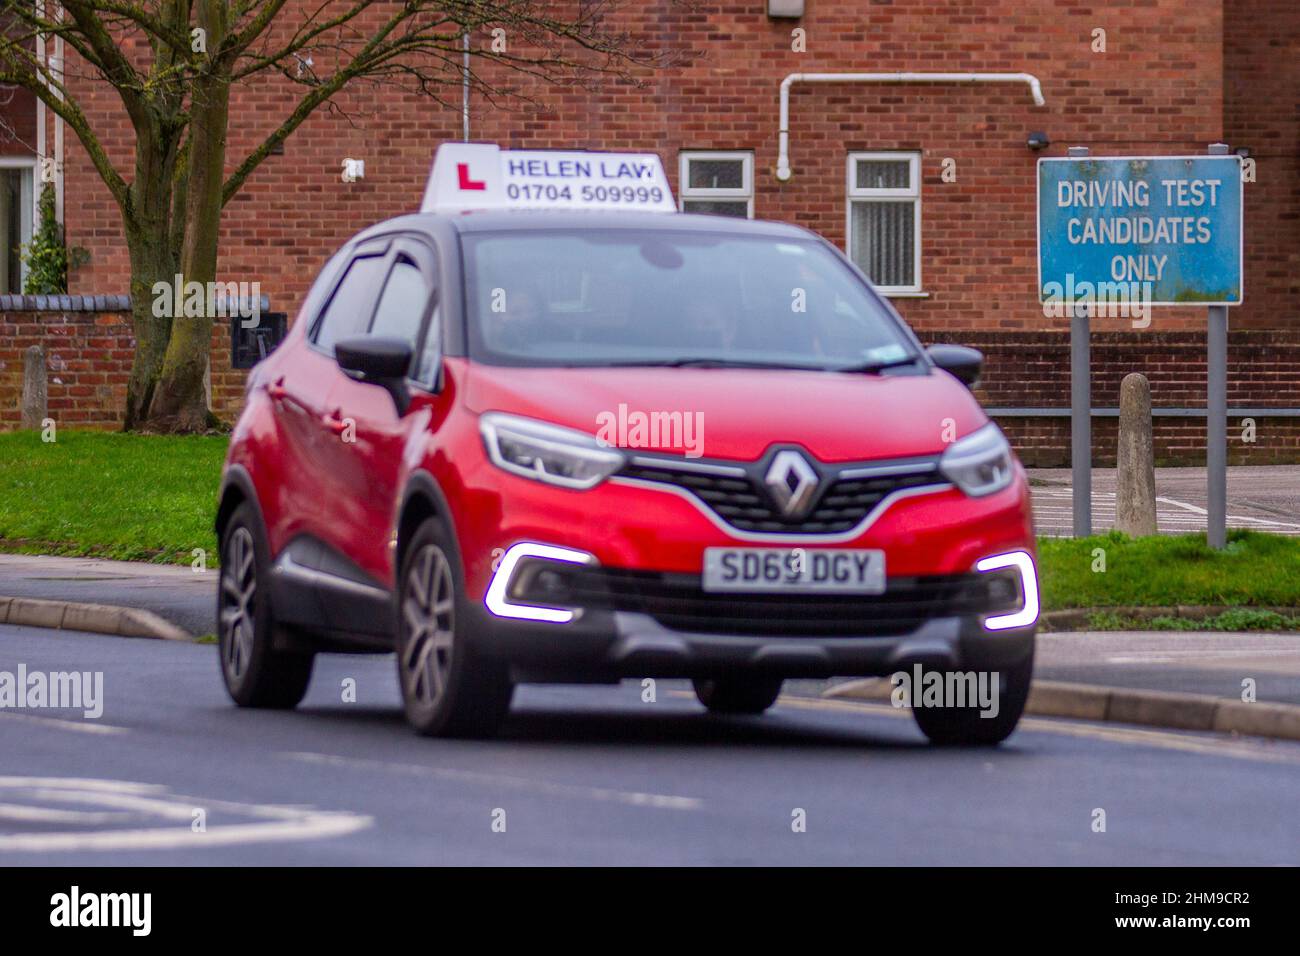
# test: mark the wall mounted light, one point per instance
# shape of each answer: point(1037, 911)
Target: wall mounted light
point(1038, 141)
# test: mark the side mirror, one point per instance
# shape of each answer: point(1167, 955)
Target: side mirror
point(964, 364)
point(378, 361)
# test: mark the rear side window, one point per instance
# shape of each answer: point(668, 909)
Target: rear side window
point(348, 313)
point(401, 307)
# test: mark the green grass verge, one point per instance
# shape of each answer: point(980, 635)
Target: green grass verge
point(152, 498)
point(1260, 570)
point(1238, 619)
point(109, 495)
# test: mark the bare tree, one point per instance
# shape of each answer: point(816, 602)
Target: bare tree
point(174, 65)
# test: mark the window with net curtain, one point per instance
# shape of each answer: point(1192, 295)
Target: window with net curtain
point(717, 183)
point(884, 196)
point(16, 186)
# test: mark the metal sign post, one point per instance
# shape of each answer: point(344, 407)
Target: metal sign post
point(1080, 408)
point(1081, 421)
point(1216, 414)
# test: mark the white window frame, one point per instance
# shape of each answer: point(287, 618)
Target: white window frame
point(701, 194)
point(854, 194)
point(31, 208)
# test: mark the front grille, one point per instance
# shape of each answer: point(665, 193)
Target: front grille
point(743, 501)
point(678, 602)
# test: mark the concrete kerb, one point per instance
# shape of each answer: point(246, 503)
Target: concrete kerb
point(96, 618)
point(1148, 708)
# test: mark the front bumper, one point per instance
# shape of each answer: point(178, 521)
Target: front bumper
point(638, 624)
point(628, 644)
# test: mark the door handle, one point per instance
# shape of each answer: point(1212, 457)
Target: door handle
point(334, 422)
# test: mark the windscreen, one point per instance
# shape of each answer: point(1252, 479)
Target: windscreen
point(624, 297)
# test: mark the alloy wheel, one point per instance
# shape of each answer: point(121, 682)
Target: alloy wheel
point(429, 620)
point(238, 601)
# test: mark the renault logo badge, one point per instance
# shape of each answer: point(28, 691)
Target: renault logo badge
point(792, 483)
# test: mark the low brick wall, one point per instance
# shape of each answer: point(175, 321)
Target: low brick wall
point(1032, 370)
point(1045, 442)
point(88, 354)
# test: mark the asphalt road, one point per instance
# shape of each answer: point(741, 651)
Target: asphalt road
point(1260, 498)
point(593, 775)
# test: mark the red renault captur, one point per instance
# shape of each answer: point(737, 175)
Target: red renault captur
point(579, 446)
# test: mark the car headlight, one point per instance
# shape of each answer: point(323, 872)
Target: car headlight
point(980, 463)
point(1024, 566)
point(549, 453)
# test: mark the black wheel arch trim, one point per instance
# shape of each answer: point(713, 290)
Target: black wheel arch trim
point(421, 483)
point(238, 479)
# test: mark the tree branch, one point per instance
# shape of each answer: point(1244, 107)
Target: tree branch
point(53, 94)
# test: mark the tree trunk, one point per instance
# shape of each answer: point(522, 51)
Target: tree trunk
point(146, 223)
point(179, 403)
point(151, 262)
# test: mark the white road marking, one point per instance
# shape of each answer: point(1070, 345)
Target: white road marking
point(22, 812)
point(1201, 511)
point(1055, 516)
point(55, 723)
point(630, 797)
point(272, 823)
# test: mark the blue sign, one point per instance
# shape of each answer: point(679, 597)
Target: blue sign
point(1165, 230)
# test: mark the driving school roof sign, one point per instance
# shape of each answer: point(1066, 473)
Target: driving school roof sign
point(1169, 228)
point(469, 176)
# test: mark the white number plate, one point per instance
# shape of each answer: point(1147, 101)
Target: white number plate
point(776, 570)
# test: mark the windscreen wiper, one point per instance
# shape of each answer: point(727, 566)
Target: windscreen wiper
point(703, 362)
point(874, 368)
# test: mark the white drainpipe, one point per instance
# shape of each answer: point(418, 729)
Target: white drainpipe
point(56, 67)
point(40, 124)
point(783, 157)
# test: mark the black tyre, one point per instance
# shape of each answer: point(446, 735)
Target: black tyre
point(738, 695)
point(256, 675)
point(448, 689)
point(957, 726)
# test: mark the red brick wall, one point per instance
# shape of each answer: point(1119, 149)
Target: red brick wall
point(1045, 442)
point(1032, 370)
point(1158, 88)
point(88, 360)
point(1261, 52)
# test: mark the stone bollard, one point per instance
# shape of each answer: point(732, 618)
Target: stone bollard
point(1135, 494)
point(35, 407)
